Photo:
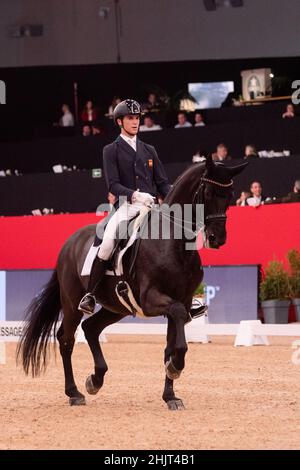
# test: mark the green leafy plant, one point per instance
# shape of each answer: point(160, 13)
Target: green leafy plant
point(275, 284)
point(200, 290)
point(293, 257)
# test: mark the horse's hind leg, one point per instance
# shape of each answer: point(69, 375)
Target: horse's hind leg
point(66, 338)
point(173, 402)
point(92, 328)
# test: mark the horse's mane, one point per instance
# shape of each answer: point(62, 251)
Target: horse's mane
point(185, 181)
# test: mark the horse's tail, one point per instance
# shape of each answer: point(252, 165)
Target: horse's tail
point(41, 315)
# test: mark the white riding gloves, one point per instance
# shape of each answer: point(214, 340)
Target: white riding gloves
point(144, 198)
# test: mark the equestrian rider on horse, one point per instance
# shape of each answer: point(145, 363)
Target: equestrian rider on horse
point(133, 170)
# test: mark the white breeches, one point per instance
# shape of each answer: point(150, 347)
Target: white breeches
point(125, 212)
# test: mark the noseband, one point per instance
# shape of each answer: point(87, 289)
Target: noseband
point(199, 197)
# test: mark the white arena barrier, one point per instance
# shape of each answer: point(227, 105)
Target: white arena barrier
point(247, 333)
point(11, 331)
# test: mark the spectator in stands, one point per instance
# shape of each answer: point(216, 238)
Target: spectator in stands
point(149, 124)
point(116, 100)
point(67, 118)
point(89, 112)
point(198, 120)
point(86, 131)
point(250, 151)
point(293, 196)
point(242, 200)
point(221, 153)
point(256, 191)
point(290, 111)
point(152, 104)
point(182, 121)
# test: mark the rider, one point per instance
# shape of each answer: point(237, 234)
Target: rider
point(133, 170)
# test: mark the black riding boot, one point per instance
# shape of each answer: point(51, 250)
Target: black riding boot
point(88, 302)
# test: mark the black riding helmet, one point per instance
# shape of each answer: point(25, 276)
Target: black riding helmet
point(126, 107)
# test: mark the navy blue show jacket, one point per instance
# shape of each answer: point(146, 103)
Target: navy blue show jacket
point(126, 170)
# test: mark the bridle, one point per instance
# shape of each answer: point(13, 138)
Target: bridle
point(199, 197)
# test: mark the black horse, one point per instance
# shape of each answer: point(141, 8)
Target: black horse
point(166, 276)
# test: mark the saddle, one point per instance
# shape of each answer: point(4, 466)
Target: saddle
point(129, 241)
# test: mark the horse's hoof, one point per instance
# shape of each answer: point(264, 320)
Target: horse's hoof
point(171, 371)
point(90, 387)
point(77, 401)
point(176, 404)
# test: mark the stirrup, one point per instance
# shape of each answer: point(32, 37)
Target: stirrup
point(198, 308)
point(82, 308)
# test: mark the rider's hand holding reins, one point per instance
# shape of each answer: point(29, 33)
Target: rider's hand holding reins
point(144, 198)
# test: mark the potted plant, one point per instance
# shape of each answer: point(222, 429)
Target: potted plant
point(200, 291)
point(294, 263)
point(198, 306)
point(274, 293)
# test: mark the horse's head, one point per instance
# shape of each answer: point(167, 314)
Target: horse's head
point(209, 184)
point(215, 192)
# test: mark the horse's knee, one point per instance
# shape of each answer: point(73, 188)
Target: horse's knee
point(178, 312)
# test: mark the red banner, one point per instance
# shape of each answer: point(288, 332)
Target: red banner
point(254, 236)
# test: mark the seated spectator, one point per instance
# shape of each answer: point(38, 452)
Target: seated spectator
point(221, 154)
point(116, 100)
point(256, 191)
point(198, 120)
point(250, 152)
point(290, 111)
point(241, 201)
point(182, 121)
point(152, 104)
point(86, 131)
point(67, 118)
point(89, 112)
point(293, 196)
point(149, 124)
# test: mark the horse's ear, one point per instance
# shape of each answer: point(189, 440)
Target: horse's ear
point(209, 163)
point(235, 170)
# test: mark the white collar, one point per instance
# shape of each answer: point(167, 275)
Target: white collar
point(130, 140)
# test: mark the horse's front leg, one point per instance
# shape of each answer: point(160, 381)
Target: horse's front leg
point(173, 402)
point(155, 302)
point(175, 365)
